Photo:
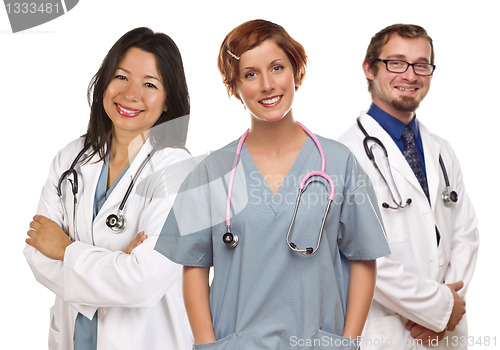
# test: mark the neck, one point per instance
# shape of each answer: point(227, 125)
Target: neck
point(274, 137)
point(404, 117)
point(124, 147)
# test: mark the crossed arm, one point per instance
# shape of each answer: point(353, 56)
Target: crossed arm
point(48, 238)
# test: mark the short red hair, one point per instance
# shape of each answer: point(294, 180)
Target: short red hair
point(249, 35)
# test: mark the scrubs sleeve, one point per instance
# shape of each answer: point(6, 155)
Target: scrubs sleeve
point(362, 234)
point(186, 237)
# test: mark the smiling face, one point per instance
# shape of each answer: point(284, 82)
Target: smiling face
point(135, 97)
point(266, 82)
point(400, 94)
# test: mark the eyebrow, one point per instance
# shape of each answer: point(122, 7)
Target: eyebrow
point(146, 76)
point(270, 64)
point(403, 57)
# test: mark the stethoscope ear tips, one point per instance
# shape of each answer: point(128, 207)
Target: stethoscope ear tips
point(385, 205)
point(115, 222)
point(230, 239)
point(307, 251)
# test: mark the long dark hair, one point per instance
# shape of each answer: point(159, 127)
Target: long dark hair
point(170, 67)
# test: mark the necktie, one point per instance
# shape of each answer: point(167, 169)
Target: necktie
point(411, 156)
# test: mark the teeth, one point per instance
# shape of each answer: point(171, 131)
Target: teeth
point(404, 89)
point(126, 110)
point(270, 101)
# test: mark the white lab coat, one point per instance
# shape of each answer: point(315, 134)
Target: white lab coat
point(411, 281)
point(138, 296)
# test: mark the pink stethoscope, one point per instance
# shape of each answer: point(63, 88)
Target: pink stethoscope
point(231, 239)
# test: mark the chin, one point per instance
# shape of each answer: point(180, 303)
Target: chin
point(406, 104)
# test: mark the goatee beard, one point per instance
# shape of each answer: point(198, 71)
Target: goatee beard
point(405, 104)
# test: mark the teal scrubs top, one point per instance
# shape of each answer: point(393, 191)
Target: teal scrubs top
point(85, 336)
point(264, 295)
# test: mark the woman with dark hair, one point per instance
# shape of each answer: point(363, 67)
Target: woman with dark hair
point(293, 252)
point(104, 203)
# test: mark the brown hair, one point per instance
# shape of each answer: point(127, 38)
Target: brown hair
point(378, 41)
point(249, 35)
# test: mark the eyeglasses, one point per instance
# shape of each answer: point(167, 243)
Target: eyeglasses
point(400, 66)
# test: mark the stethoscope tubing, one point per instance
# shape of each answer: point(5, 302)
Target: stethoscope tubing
point(448, 195)
point(231, 239)
point(116, 222)
point(231, 179)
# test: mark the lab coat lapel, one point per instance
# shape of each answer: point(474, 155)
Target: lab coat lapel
point(396, 158)
point(431, 155)
point(116, 196)
point(90, 172)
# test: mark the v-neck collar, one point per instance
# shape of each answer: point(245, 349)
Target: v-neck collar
point(289, 184)
point(101, 193)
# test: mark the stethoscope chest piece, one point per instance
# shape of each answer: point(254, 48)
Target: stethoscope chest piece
point(449, 197)
point(116, 222)
point(230, 239)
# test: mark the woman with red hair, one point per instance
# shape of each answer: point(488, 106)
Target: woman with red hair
point(285, 275)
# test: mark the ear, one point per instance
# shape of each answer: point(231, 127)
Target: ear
point(368, 70)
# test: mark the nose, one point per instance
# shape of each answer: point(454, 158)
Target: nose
point(132, 91)
point(267, 82)
point(409, 74)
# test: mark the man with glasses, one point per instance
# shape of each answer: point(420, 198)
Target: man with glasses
point(430, 223)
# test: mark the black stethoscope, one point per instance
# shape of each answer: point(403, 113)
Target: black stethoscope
point(115, 222)
point(448, 196)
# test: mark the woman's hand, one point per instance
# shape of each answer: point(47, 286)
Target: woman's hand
point(141, 237)
point(48, 238)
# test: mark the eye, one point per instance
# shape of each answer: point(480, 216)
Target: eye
point(250, 75)
point(151, 85)
point(396, 64)
point(277, 68)
point(120, 77)
point(422, 66)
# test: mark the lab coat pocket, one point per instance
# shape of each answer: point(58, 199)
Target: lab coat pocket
point(326, 340)
point(396, 223)
point(227, 343)
point(54, 334)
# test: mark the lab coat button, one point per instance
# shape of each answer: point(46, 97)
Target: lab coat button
point(441, 262)
point(102, 312)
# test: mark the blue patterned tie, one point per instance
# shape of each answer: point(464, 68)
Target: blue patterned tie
point(411, 156)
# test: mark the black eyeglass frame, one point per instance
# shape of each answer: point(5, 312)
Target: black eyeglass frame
point(408, 65)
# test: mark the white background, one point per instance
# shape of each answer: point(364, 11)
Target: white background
point(45, 71)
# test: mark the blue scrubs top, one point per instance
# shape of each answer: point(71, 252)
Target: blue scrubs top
point(264, 295)
point(85, 336)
